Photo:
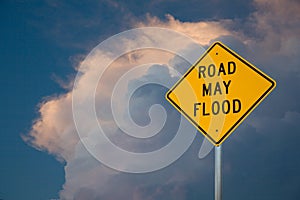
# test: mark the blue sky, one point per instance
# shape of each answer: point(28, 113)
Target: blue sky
point(43, 41)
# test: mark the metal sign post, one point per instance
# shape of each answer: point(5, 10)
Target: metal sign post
point(216, 94)
point(218, 173)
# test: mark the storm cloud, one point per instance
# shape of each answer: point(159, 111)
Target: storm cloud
point(254, 157)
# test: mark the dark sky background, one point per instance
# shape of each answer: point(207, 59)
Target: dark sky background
point(42, 42)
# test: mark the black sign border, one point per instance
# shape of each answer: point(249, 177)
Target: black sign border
point(217, 143)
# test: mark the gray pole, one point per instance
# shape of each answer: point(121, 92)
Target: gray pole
point(218, 173)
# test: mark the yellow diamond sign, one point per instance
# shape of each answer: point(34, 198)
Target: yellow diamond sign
point(219, 91)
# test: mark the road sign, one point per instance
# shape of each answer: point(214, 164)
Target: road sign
point(219, 91)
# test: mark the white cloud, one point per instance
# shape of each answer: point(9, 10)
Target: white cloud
point(53, 130)
point(203, 32)
point(278, 24)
